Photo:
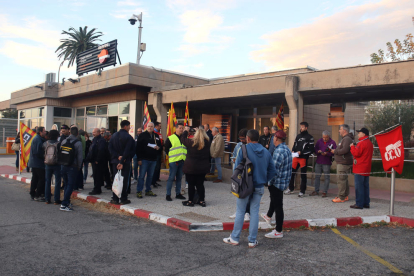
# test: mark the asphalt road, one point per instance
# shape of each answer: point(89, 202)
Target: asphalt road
point(38, 239)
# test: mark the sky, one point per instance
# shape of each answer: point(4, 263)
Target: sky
point(210, 38)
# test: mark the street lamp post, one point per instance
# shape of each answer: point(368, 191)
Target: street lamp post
point(132, 20)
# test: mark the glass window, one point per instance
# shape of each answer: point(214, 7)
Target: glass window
point(80, 112)
point(246, 112)
point(266, 110)
point(113, 109)
point(28, 113)
point(22, 114)
point(41, 122)
point(124, 108)
point(62, 112)
point(40, 111)
point(90, 110)
point(80, 123)
point(60, 121)
point(102, 110)
point(120, 119)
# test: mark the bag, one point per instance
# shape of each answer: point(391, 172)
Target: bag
point(242, 179)
point(15, 147)
point(118, 184)
point(51, 154)
point(66, 152)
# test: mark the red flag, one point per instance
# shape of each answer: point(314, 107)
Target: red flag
point(147, 118)
point(280, 120)
point(392, 149)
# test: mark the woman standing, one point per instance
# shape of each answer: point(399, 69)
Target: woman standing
point(196, 165)
point(17, 141)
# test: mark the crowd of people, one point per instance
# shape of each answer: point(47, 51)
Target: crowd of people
point(195, 153)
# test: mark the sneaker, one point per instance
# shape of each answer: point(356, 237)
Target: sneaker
point(168, 198)
point(274, 235)
point(139, 195)
point(150, 193)
point(127, 201)
point(314, 193)
point(247, 217)
point(301, 194)
point(337, 200)
point(65, 208)
point(288, 192)
point(346, 199)
point(40, 199)
point(266, 218)
point(253, 244)
point(233, 216)
point(186, 185)
point(180, 196)
point(229, 240)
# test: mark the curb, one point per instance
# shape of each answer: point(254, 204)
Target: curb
point(228, 226)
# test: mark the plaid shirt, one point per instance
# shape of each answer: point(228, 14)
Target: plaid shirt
point(282, 158)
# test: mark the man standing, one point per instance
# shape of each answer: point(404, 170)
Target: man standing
point(282, 159)
point(64, 133)
point(208, 131)
point(157, 172)
point(263, 171)
point(176, 152)
point(303, 147)
point(108, 171)
point(148, 146)
point(343, 158)
point(37, 163)
point(324, 155)
point(217, 153)
point(121, 148)
point(265, 139)
point(272, 145)
point(362, 153)
point(139, 131)
point(103, 130)
point(98, 157)
point(71, 146)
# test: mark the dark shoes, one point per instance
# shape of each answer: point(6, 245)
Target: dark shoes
point(188, 203)
point(58, 202)
point(180, 196)
point(139, 195)
point(127, 201)
point(115, 202)
point(324, 195)
point(156, 185)
point(314, 193)
point(168, 198)
point(355, 207)
point(366, 206)
point(150, 193)
point(94, 193)
point(40, 199)
point(48, 202)
point(217, 181)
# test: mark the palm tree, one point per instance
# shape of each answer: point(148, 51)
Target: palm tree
point(78, 42)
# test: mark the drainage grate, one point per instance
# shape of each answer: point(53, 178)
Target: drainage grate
point(197, 217)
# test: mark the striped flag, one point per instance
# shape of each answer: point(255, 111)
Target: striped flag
point(280, 120)
point(186, 116)
point(26, 138)
point(173, 119)
point(147, 118)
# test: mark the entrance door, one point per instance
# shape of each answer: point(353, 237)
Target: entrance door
point(113, 124)
point(95, 122)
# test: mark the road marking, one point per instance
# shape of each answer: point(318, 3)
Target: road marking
point(375, 257)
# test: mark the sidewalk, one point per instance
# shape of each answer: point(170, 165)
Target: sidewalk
point(221, 203)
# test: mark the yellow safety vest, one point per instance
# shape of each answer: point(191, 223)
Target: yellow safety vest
point(177, 151)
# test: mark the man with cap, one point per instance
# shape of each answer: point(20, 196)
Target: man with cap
point(282, 159)
point(362, 152)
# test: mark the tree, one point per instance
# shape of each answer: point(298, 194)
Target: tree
point(78, 42)
point(9, 113)
point(382, 115)
point(402, 51)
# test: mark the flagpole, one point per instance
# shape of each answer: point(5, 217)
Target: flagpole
point(20, 160)
point(379, 132)
point(392, 191)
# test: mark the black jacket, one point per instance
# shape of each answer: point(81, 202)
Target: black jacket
point(98, 151)
point(210, 135)
point(121, 144)
point(305, 144)
point(143, 151)
point(197, 161)
point(88, 144)
point(265, 140)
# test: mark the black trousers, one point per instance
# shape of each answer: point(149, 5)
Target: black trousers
point(276, 206)
point(196, 181)
point(107, 176)
point(98, 171)
point(303, 178)
point(126, 173)
point(37, 185)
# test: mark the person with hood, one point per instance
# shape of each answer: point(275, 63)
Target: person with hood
point(303, 147)
point(263, 171)
point(343, 158)
point(323, 162)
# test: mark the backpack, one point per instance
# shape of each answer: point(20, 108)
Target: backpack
point(51, 151)
point(66, 152)
point(242, 179)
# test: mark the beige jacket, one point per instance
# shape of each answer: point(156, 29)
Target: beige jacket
point(217, 146)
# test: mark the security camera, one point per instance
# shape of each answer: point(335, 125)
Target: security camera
point(132, 20)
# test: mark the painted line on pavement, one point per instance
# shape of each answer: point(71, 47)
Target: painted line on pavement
point(372, 255)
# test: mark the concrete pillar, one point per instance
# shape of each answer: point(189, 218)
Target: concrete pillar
point(161, 111)
point(301, 110)
point(48, 116)
point(291, 95)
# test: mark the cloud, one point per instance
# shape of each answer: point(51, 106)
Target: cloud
point(185, 68)
point(345, 38)
point(128, 3)
point(127, 12)
point(199, 25)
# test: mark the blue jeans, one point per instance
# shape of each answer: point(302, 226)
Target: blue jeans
point(17, 159)
point(176, 172)
point(361, 190)
point(135, 167)
point(254, 215)
point(147, 168)
point(69, 175)
point(49, 171)
point(216, 162)
point(85, 169)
